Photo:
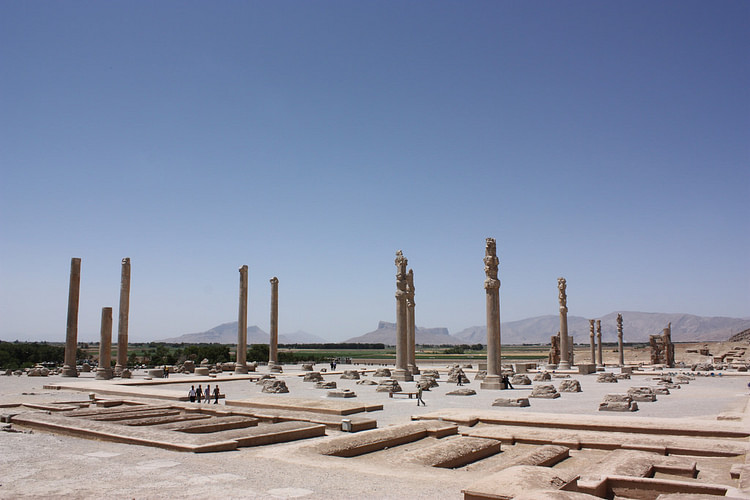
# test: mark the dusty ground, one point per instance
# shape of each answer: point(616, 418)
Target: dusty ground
point(42, 465)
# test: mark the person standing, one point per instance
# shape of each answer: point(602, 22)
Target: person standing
point(191, 394)
point(199, 393)
point(216, 395)
point(207, 394)
point(419, 396)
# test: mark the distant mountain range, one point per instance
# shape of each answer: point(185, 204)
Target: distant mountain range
point(637, 326)
point(226, 333)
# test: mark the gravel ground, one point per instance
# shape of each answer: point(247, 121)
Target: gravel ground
point(42, 465)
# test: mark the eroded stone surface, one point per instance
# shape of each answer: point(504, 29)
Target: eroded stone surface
point(607, 378)
point(542, 377)
point(461, 392)
point(570, 385)
point(350, 375)
point(511, 402)
point(275, 387)
point(388, 385)
point(312, 377)
point(546, 391)
point(520, 379)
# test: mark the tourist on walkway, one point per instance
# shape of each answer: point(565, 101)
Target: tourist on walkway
point(419, 396)
point(207, 394)
point(216, 395)
point(191, 394)
point(506, 381)
point(199, 393)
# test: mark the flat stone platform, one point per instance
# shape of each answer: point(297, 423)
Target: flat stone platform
point(335, 407)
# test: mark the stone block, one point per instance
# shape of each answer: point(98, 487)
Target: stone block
point(606, 378)
point(514, 481)
point(542, 377)
point(545, 391)
point(642, 394)
point(382, 372)
point(461, 392)
point(520, 379)
point(274, 386)
point(342, 393)
point(312, 377)
point(350, 375)
point(454, 452)
point(366, 381)
point(325, 385)
point(201, 371)
point(541, 456)
point(618, 406)
point(511, 402)
point(586, 368)
point(388, 385)
point(570, 385)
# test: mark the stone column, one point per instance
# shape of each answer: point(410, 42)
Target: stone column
point(668, 346)
point(402, 368)
point(240, 365)
point(564, 340)
point(600, 361)
point(273, 349)
point(122, 320)
point(411, 328)
point(71, 332)
point(104, 371)
point(592, 341)
point(619, 339)
point(493, 380)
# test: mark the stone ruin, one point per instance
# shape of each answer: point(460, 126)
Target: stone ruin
point(350, 375)
point(546, 391)
point(388, 385)
point(642, 394)
point(461, 392)
point(520, 379)
point(274, 386)
point(366, 381)
point(511, 402)
point(553, 358)
point(382, 372)
point(325, 385)
point(618, 402)
point(606, 378)
point(456, 375)
point(662, 348)
point(313, 377)
point(569, 385)
point(542, 377)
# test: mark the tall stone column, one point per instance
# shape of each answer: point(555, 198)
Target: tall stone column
point(592, 340)
point(493, 380)
point(71, 332)
point(668, 346)
point(600, 360)
point(619, 340)
point(411, 329)
point(122, 320)
point(564, 340)
point(273, 349)
point(104, 371)
point(402, 368)
point(240, 365)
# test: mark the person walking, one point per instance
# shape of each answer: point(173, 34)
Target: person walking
point(216, 395)
point(207, 394)
point(506, 382)
point(191, 394)
point(199, 393)
point(419, 396)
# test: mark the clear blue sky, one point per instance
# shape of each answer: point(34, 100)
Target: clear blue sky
point(606, 142)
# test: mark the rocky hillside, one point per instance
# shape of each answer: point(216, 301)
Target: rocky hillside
point(226, 333)
point(386, 334)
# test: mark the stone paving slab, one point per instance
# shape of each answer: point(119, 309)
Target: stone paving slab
point(223, 440)
point(542, 456)
point(513, 481)
point(601, 423)
point(329, 420)
point(451, 453)
point(378, 439)
point(673, 445)
point(335, 407)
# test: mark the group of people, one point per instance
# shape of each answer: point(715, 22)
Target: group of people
point(196, 395)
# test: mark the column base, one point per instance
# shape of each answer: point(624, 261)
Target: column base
point(402, 375)
point(492, 382)
point(240, 369)
point(118, 370)
point(275, 368)
point(413, 369)
point(67, 371)
point(104, 373)
point(564, 365)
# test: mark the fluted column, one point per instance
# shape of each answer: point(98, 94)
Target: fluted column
point(411, 328)
point(600, 360)
point(71, 332)
point(123, 317)
point(273, 348)
point(564, 341)
point(104, 371)
point(668, 346)
point(240, 365)
point(592, 341)
point(619, 340)
point(402, 368)
point(493, 379)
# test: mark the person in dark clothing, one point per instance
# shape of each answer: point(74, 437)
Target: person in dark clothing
point(216, 395)
point(191, 394)
point(199, 393)
point(506, 382)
